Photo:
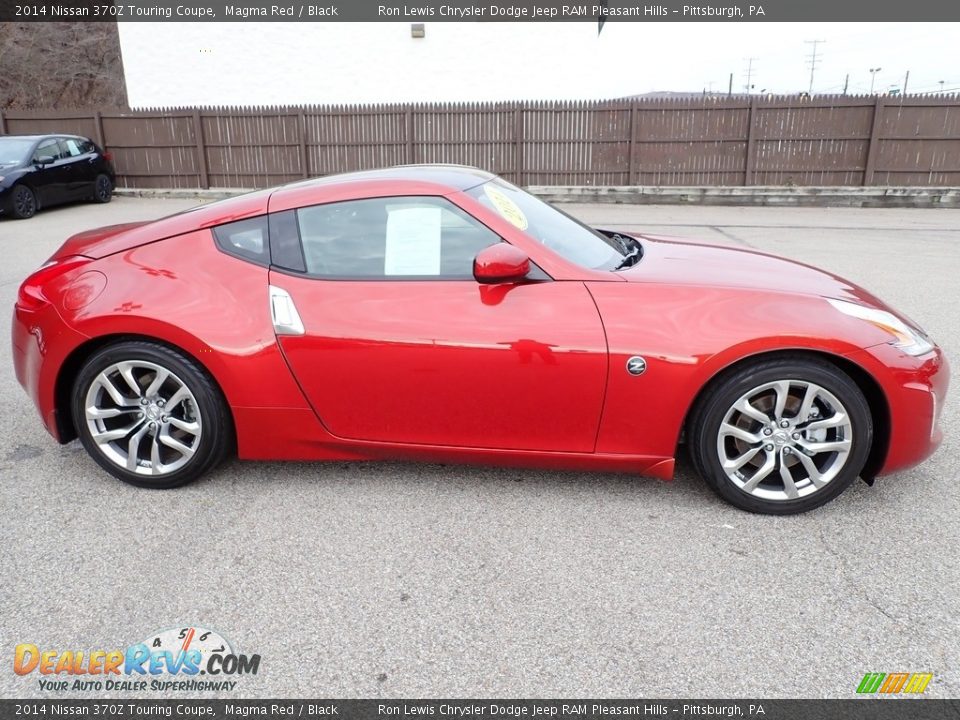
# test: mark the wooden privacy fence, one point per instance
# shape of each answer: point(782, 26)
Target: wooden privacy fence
point(709, 141)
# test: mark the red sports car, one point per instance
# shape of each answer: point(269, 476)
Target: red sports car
point(439, 313)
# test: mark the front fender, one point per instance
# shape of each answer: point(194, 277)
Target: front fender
point(690, 334)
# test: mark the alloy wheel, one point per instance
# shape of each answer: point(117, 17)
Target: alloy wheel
point(143, 417)
point(784, 440)
point(24, 203)
point(103, 188)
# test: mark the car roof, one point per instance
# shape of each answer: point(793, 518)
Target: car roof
point(41, 137)
point(415, 179)
point(453, 177)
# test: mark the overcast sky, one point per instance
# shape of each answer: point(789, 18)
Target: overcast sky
point(252, 63)
point(696, 54)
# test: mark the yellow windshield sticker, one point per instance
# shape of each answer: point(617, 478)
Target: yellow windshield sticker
point(506, 207)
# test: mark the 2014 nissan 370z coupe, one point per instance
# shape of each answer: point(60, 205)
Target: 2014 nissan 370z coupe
point(439, 313)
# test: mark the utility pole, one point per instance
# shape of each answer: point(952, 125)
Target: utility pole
point(846, 83)
point(730, 86)
point(749, 74)
point(813, 60)
point(905, 81)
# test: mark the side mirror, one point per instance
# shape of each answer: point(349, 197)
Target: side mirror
point(42, 161)
point(500, 263)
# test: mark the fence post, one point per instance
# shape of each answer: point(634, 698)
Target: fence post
point(874, 142)
point(751, 143)
point(304, 156)
point(518, 143)
point(201, 150)
point(3, 123)
point(98, 125)
point(631, 168)
point(409, 114)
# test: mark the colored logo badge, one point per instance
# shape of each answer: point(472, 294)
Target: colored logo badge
point(894, 683)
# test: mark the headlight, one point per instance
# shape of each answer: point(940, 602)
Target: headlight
point(912, 340)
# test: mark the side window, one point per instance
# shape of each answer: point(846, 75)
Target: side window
point(245, 239)
point(285, 249)
point(86, 146)
point(70, 147)
point(394, 237)
point(47, 151)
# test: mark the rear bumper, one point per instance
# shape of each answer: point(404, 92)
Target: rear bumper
point(41, 343)
point(915, 390)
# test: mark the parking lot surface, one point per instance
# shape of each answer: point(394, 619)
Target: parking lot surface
point(381, 580)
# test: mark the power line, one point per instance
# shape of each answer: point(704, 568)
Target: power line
point(938, 92)
point(813, 60)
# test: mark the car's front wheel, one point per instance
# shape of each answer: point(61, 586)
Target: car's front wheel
point(22, 203)
point(781, 436)
point(150, 415)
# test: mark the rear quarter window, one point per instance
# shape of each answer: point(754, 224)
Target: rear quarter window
point(245, 239)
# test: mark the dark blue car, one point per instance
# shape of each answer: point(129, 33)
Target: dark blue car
point(38, 171)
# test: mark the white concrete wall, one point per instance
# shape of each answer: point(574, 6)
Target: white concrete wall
point(284, 63)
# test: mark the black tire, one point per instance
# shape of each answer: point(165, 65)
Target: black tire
point(207, 406)
point(22, 203)
point(719, 399)
point(102, 189)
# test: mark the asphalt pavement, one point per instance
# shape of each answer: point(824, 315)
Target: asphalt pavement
point(386, 580)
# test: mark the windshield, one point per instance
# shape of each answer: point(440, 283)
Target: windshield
point(14, 151)
point(558, 231)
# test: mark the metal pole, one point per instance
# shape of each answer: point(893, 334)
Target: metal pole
point(813, 61)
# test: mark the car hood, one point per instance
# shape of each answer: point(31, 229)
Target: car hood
point(685, 262)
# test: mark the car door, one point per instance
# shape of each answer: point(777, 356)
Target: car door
point(48, 178)
point(79, 172)
point(401, 344)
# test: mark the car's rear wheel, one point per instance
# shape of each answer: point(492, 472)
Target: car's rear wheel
point(102, 189)
point(150, 415)
point(781, 436)
point(23, 203)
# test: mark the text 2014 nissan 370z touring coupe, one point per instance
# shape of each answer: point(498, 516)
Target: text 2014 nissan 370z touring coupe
point(439, 313)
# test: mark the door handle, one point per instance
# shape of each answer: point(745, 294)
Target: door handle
point(283, 313)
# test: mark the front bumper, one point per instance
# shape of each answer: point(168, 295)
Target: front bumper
point(915, 389)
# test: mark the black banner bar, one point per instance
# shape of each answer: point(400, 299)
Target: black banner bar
point(598, 11)
point(120, 709)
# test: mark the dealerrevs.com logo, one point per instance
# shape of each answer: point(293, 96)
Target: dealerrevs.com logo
point(190, 659)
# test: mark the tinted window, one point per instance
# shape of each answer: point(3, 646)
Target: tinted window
point(70, 147)
point(48, 150)
point(246, 239)
point(285, 250)
point(415, 237)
